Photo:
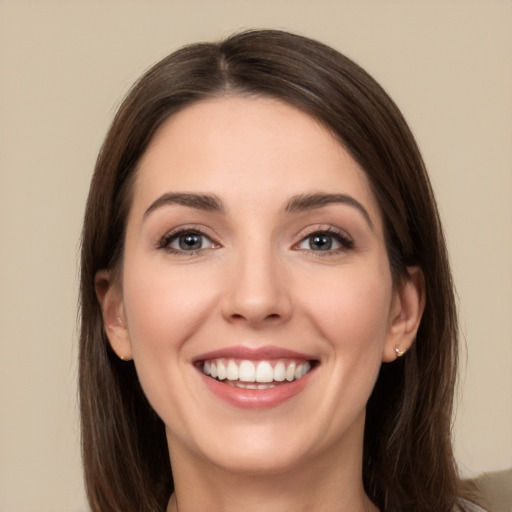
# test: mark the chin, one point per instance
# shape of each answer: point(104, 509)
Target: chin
point(259, 461)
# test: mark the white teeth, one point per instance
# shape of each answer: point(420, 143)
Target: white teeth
point(251, 385)
point(290, 372)
point(221, 371)
point(232, 371)
point(279, 372)
point(264, 372)
point(246, 371)
point(261, 373)
point(244, 385)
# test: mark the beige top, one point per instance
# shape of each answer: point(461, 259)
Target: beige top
point(472, 507)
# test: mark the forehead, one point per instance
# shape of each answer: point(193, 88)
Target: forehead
point(247, 148)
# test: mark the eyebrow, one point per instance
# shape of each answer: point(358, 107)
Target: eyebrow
point(205, 202)
point(306, 202)
point(300, 203)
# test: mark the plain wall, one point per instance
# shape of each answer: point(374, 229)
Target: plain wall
point(64, 67)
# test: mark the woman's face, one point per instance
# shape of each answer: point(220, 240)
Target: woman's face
point(256, 296)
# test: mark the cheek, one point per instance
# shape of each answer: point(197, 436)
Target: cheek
point(164, 307)
point(351, 307)
point(164, 311)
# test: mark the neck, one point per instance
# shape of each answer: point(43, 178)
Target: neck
point(271, 495)
point(331, 483)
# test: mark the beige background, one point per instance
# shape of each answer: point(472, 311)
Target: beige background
point(63, 68)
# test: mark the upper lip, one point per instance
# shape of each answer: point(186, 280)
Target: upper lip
point(267, 352)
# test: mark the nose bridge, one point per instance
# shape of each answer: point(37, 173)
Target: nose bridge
point(257, 292)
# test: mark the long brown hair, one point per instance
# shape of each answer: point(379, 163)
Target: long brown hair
point(408, 462)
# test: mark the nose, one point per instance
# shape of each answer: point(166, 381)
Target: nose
point(258, 293)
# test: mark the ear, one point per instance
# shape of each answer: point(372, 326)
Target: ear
point(405, 314)
point(112, 309)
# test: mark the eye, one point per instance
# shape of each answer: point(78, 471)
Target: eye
point(325, 241)
point(186, 241)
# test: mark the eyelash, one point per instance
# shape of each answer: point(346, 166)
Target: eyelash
point(339, 236)
point(166, 241)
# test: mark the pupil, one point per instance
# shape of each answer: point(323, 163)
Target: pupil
point(321, 242)
point(191, 241)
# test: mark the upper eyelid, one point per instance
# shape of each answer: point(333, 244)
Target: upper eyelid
point(344, 238)
point(177, 234)
point(323, 228)
point(184, 229)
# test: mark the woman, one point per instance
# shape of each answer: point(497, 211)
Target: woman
point(267, 306)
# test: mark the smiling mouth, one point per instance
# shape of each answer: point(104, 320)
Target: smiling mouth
point(247, 374)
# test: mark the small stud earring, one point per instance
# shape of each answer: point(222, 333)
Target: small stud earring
point(398, 352)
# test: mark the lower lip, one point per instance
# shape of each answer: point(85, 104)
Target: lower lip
point(255, 398)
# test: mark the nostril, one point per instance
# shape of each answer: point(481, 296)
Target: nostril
point(239, 317)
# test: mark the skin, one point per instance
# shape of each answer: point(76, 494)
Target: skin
point(258, 280)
